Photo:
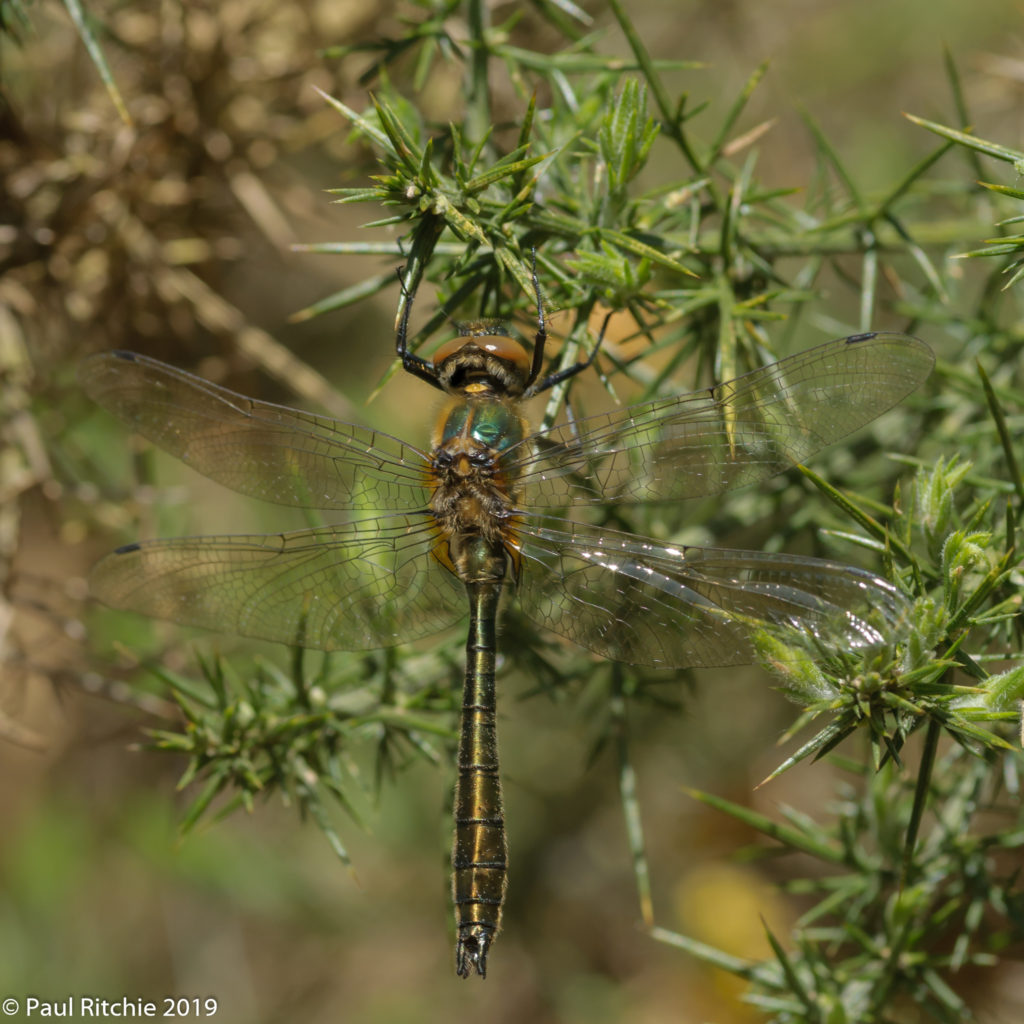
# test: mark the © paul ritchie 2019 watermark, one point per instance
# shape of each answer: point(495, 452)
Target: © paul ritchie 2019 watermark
point(78, 1007)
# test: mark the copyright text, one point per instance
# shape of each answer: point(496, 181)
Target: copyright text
point(94, 1007)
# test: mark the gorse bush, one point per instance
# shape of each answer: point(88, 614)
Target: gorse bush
point(707, 271)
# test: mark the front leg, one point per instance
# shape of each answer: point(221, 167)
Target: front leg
point(570, 371)
point(412, 363)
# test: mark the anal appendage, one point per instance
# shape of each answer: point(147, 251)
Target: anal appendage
point(471, 949)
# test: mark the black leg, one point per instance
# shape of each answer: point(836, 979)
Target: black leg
point(541, 337)
point(570, 371)
point(411, 362)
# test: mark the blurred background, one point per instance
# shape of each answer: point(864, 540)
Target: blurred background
point(173, 237)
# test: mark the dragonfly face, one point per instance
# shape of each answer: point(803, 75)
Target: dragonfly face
point(482, 361)
point(491, 506)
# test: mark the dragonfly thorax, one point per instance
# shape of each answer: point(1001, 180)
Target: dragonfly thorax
point(474, 492)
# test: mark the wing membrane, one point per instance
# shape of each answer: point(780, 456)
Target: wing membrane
point(267, 451)
point(734, 434)
point(634, 600)
point(373, 583)
point(359, 586)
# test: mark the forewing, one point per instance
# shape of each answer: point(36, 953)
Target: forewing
point(644, 603)
point(268, 451)
point(359, 586)
point(728, 436)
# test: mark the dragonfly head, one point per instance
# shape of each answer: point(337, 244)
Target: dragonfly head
point(483, 360)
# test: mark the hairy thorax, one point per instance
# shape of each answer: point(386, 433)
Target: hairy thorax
point(474, 492)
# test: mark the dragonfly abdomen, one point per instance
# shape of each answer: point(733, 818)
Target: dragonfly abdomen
point(480, 854)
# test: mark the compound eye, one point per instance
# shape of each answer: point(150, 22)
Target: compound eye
point(448, 349)
point(508, 350)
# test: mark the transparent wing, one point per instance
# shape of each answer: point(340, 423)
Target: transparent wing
point(359, 586)
point(737, 433)
point(633, 600)
point(268, 451)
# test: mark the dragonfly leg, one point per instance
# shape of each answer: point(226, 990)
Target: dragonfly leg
point(541, 337)
point(411, 362)
point(570, 371)
point(533, 386)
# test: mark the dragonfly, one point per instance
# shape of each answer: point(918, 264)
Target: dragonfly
point(491, 506)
